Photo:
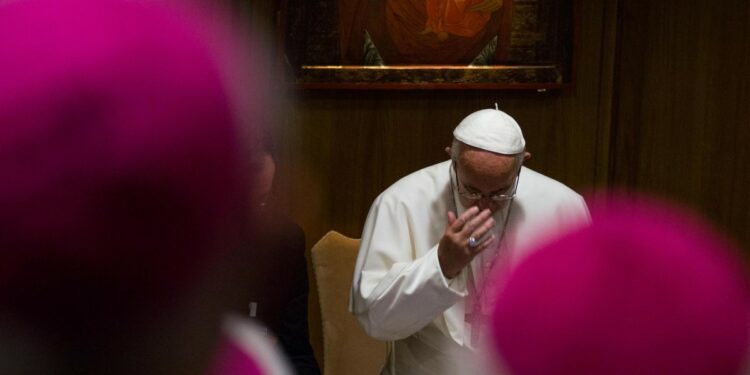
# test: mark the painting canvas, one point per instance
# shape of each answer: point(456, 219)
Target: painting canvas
point(427, 43)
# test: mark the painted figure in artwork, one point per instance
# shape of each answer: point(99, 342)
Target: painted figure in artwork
point(457, 17)
point(429, 32)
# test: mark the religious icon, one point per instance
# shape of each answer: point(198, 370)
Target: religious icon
point(452, 32)
point(426, 43)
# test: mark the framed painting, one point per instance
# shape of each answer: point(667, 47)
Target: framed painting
point(431, 44)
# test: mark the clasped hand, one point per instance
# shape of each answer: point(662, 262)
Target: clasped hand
point(454, 250)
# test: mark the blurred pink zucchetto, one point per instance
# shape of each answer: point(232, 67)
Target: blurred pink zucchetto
point(121, 155)
point(645, 289)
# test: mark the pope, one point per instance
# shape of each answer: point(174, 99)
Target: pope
point(431, 238)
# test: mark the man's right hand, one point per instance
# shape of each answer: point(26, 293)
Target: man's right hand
point(454, 252)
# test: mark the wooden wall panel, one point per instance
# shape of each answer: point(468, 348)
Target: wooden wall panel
point(348, 156)
point(681, 124)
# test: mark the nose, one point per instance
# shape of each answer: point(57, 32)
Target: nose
point(485, 203)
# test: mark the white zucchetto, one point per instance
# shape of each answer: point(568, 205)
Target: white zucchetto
point(491, 130)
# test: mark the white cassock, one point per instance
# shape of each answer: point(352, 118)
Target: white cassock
point(399, 293)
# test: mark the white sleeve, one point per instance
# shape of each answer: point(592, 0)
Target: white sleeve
point(395, 293)
point(573, 213)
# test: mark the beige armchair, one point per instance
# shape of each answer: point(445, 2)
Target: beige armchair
point(346, 347)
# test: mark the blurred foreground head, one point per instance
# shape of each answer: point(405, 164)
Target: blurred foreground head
point(123, 167)
point(646, 289)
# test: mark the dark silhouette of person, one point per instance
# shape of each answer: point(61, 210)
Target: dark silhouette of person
point(273, 280)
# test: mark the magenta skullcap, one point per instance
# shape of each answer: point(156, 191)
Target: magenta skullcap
point(121, 155)
point(644, 290)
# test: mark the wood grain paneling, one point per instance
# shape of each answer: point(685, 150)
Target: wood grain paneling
point(681, 124)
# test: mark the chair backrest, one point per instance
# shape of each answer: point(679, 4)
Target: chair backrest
point(346, 347)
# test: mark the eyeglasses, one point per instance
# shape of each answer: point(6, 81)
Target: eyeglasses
point(498, 198)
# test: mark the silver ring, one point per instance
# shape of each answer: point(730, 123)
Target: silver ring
point(473, 242)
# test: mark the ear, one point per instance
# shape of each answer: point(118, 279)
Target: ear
point(526, 155)
point(448, 151)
